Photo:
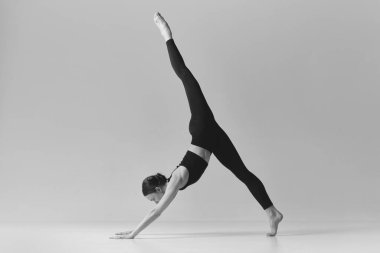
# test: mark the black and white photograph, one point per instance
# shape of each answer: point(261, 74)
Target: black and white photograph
point(189, 126)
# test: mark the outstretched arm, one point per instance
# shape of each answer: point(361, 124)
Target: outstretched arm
point(170, 193)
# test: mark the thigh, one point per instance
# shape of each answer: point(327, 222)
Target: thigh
point(227, 154)
point(203, 132)
point(197, 102)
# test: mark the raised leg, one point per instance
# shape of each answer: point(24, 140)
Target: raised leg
point(197, 102)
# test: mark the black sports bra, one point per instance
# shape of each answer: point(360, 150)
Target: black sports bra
point(195, 165)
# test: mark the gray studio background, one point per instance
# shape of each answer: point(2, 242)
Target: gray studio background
point(89, 106)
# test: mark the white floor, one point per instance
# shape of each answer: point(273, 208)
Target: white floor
point(184, 237)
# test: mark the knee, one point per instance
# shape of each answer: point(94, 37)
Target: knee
point(182, 71)
point(248, 177)
point(243, 174)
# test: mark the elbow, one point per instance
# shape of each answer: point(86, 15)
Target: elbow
point(155, 213)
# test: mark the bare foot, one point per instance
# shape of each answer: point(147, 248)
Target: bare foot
point(275, 217)
point(162, 26)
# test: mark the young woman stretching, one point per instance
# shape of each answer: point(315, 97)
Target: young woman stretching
point(207, 138)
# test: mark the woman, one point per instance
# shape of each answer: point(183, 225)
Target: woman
point(207, 138)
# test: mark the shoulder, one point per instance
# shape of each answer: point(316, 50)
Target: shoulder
point(180, 176)
point(181, 171)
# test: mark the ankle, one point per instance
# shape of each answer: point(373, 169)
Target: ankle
point(167, 37)
point(271, 211)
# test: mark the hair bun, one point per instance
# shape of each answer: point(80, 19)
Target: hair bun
point(161, 179)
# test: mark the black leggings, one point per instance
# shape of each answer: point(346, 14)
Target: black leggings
point(206, 133)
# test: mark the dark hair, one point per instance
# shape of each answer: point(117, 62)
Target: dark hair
point(150, 183)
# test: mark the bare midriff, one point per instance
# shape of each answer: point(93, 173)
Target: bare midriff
point(203, 153)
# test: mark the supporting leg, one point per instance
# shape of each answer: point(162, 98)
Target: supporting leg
point(227, 154)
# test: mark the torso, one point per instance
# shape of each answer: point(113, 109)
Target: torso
point(182, 171)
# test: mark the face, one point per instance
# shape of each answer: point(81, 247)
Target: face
point(155, 196)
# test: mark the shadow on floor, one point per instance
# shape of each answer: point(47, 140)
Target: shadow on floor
point(200, 235)
point(295, 232)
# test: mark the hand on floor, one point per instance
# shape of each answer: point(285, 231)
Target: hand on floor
point(123, 235)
